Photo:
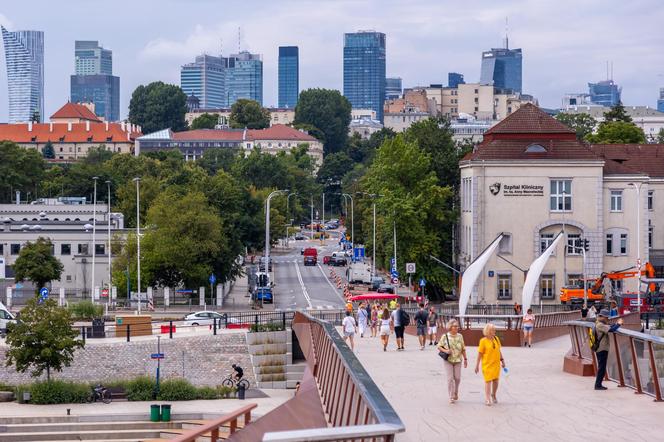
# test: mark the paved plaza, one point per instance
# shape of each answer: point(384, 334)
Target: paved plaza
point(537, 401)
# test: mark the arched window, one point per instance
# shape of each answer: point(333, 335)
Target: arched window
point(535, 148)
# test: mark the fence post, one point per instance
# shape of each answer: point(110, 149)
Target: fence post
point(214, 326)
point(170, 330)
point(225, 320)
point(283, 319)
point(83, 333)
point(128, 333)
point(256, 321)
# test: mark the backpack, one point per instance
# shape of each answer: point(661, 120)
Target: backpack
point(405, 318)
point(593, 339)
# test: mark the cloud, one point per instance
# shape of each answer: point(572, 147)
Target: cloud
point(7, 23)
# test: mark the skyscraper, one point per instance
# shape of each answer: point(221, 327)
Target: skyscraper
point(454, 79)
point(24, 53)
point(364, 70)
point(94, 80)
point(501, 67)
point(244, 78)
point(289, 76)
point(604, 93)
point(660, 102)
point(393, 88)
point(205, 79)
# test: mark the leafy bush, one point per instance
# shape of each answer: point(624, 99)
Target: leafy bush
point(7, 387)
point(224, 391)
point(207, 393)
point(86, 310)
point(140, 388)
point(177, 390)
point(59, 392)
point(269, 327)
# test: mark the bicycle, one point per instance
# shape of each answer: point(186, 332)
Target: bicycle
point(100, 393)
point(231, 382)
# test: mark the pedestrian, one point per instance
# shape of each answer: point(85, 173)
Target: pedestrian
point(592, 312)
point(433, 325)
point(374, 321)
point(489, 354)
point(517, 309)
point(614, 309)
point(362, 319)
point(399, 325)
point(349, 307)
point(584, 311)
point(385, 328)
point(393, 304)
point(350, 328)
point(421, 320)
point(602, 330)
point(528, 327)
point(452, 344)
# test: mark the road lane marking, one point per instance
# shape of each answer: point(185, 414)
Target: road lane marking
point(304, 289)
point(334, 289)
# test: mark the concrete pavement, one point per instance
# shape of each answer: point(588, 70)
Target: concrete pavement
point(538, 402)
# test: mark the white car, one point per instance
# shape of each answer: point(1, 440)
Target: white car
point(203, 318)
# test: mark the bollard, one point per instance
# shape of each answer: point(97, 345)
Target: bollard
point(283, 319)
point(214, 326)
point(256, 322)
point(128, 333)
point(170, 330)
point(83, 334)
point(226, 320)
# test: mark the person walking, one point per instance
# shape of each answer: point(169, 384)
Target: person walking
point(489, 354)
point(452, 344)
point(602, 330)
point(374, 321)
point(421, 321)
point(362, 319)
point(393, 304)
point(592, 312)
point(528, 327)
point(399, 325)
point(349, 328)
point(433, 325)
point(385, 328)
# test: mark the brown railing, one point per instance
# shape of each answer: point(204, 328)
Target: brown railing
point(636, 360)
point(354, 405)
point(212, 427)
point(513, 322)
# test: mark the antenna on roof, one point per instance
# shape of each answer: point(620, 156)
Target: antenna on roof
point(221, 47)
point(238, 39)
point(507, 39)
point(607, 69)
point(611, 70)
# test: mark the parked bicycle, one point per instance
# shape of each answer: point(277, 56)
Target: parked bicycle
point(101, 393)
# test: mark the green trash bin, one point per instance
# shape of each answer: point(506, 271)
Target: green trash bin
point(154, 413)
point(165, 413)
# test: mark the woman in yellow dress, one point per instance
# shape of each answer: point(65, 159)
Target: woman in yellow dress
point(488, 353)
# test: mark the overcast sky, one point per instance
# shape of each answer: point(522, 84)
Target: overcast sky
point(566, 43)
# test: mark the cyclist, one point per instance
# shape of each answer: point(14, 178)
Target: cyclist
point(239, 372)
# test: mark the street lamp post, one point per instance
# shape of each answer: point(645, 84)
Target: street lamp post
point(322, 222)
point(352, 223)
point(373, 263)
point(108, 215)
point(288, 214)
point(137, 180)
point(638, 242)
point(312, 218)
point(267, 227)
point(94, 231)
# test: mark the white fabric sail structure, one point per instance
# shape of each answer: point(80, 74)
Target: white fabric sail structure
point(473, 272)
point(535, 271)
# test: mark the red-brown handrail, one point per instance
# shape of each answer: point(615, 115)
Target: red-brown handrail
point(213, 426)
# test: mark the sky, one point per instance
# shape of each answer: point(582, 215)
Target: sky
point(566, 43)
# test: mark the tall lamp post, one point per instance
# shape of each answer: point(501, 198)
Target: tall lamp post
point(288, 214)
point(267, 227)
point(94, 231)
point(137, 180)
point(373, 196)
point(108, 215)
point(352, 223)
point(637, 187)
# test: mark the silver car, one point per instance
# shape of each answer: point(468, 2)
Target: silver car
point(203, 318)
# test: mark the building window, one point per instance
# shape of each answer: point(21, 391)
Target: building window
point(82, 249)
point(505, 245)
point(574, 280)
point(545, 241)
point(2, 249)
point(609, 244)
point(574, 244)
point(68, 278)
point(651, 198)
point(561, 195)
point(616, 201)
point(651, 229)
point(505, 286)
point(623, 244)
point(99, 249)
point(65, 249)
point(15, 249)
point(547, 286)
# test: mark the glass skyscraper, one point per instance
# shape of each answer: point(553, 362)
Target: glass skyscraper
point(205, 79)
point(24, 53)
point(605, 93)
point(660, 102)
point(94, 80)
point(502, 68)
point(364, 70)
point(289, 76)
point(393, 88)
point(454, 79)
point(244, 78)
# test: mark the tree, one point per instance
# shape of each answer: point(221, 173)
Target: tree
point(582, 123)
point(158, 106)
point(327, 110)
point(43, 340)
point(249, 114)
point(434, 137)
point(48, 152)
point(617, 132)
point(205, 121)
point(35, 262)
point(660, 136)
point(617, 113)
point(216, 159)
point(20, 169)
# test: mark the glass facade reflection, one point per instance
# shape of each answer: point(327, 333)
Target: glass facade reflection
point(364, 70)
point(502, 68)
point(289, 82)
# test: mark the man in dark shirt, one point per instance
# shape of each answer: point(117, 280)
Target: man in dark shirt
point(239, 372)
point(421, 318)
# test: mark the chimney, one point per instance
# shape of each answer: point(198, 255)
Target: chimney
point(106, 122)
point(50, 126)
point(87, 125)
point(29, 126)
point(69, 126)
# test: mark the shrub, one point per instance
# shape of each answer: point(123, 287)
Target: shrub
point(140, 388)
point(59, 392)
point(86, 310)
point(177, 390)
point(6, 387)
point(207, 393)
point(225, 391)
point(269, 327)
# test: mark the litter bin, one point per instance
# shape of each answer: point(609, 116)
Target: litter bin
point(154, 413)
point(240, 391)
point(98, 330)
point(165, 413)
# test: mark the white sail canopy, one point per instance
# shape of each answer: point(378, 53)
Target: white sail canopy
point(535, 271)
point(473, 272)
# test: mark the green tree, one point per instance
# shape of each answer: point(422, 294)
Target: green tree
point(660, 136)
point(216, 159)
point(249, 114)
point(20, 169)
point(47, 151)
point(35, 262)
point(617, 113)
point(158, 106)
point(582, 123)
point(43, 340)
point(205, 121)
point(617, 132)
point(327, 110)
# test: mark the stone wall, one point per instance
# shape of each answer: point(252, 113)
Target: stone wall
point(203, 360)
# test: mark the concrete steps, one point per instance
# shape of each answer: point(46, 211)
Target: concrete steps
point(91, 435)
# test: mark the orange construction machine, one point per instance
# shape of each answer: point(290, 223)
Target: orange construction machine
point(596, 287)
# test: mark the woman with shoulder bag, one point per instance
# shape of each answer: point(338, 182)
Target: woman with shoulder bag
point(453, 350)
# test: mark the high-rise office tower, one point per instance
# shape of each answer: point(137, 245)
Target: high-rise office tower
point(502, 68)
point(94, 80)
point(244, 78)
point(205, 80)
point(364, 70)
point(605, 93)
point(660, 101)
point(24, 53)
point(289, 76)
point(393, 88)
point(454, 79)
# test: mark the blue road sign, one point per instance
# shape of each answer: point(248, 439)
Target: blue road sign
point(213, 279)
point(423, 282)
point(43, 292)
point(157, 356)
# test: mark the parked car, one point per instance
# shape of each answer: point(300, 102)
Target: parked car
point(202, 318)
point(6, 317)
point(338, 261)
point(299, 236)
point(385, 288)
point(376, 281)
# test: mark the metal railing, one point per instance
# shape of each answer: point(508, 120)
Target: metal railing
point(211, 428)
point(354, 405)
point(505, 309)
point(636, 360)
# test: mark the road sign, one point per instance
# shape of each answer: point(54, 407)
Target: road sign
point(43, 292)
point(104, 293)
point(212, 279)
point(410, 267)
point(358, 253)
point(184, 291)
point(395, 280)
point(157, 356)
point(423, 282)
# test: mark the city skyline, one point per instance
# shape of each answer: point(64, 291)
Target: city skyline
point(561, 52)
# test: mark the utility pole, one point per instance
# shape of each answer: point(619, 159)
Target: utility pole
point(137, 180)
point(352, 223)
point(94, 231)
point(322, 221)
point(267, 227)
point(108, 215)
point(638, 242)
point(311, 224)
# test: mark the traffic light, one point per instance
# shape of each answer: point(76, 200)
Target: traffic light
point(586, 245)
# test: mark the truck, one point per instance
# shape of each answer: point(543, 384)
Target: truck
point(310, 256)
point(359, 273)
point(596, 292)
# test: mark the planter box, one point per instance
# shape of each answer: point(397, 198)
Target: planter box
point(265, 337)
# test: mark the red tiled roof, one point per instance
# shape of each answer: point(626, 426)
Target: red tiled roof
point(515, 149)
point(279, 132)
point(59, 132)
point(210, 135)
point(276, 132)
point(529, 119)
point(640, 158)
point(75, 110)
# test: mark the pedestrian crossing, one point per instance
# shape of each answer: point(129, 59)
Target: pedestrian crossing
point(315, 307)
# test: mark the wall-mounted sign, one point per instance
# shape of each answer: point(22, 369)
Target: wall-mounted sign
point(491, 273)
point(516, 189)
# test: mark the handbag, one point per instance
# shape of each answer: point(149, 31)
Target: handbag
point(441, 353)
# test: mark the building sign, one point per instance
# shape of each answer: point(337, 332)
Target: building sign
point(516, 189)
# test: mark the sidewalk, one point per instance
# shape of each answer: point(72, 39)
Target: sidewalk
point(538, 402)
